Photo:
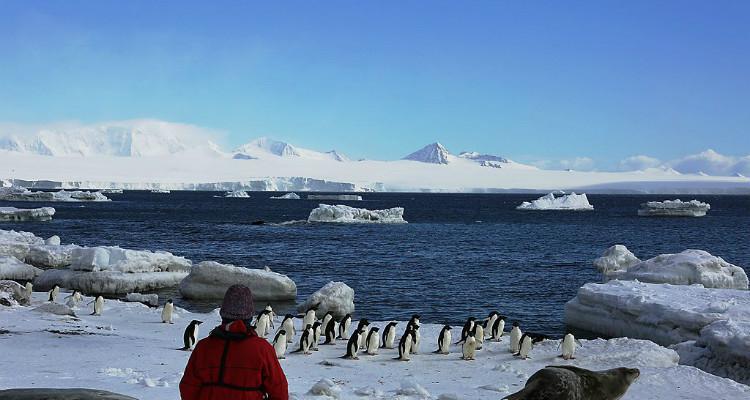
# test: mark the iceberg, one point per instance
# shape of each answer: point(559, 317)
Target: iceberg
point(12, 268)
point(564, 202)
point(710, 328)
point(686, 268)
point(161, 191)
point(16, 193)
point(288, 196)
point(241, 194)
point(26, 214)
point(113, 258)
point(346, 214)
point(336, 297)
point(674, 208)
point(210, 280)
point(17, 244)
point(112, 191)
point(340, 197)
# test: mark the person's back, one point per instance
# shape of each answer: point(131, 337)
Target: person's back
point(233, 362)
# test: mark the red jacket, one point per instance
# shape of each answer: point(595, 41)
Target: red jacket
point(249, 369)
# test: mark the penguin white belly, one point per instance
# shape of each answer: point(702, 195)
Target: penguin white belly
point(29, 289)
point(280, 347)
point(568, 347)
point(445, 345)
point(515, 337)
point(194, 337)
point(316, 338)
point(469, 348)
point(373, 344)
point(345, 328)
point(417, 339)
point(309, 319)
point(98, 306)
point(525, 348)
point(491, 323)
point(479, 336)
point(166, 313)
point(261, 326)
point(498, 333)
point(361, 342)
point(354, 348)
point(389, 338)
point(407, 349)
point(288, 326)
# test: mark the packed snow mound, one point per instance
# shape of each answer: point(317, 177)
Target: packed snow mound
point(53, 240)
point(686, 268)
point(615, 258)
point(51, 256)
point(56, 309)
point(112, 258)
point(151, 300)
point(345, 214)
point(23, 194)
point(434, 153)
point(26, 214)
point(107, 282)
point(336, 297)
point(710, 327)
point(210, 280)
point(674, 208)
point(13, 268)
point(288, 196)
point(564, 202)
point(241, 194)
point(17, 244)
point(340, 197)
point(12, 293)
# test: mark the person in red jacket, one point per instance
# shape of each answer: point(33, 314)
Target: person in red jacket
point(233, 362)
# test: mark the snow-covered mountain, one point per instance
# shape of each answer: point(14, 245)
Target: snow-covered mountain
point(263, 147)
point(434, 153)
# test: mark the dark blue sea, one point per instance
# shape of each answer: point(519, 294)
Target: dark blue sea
point(459, 255)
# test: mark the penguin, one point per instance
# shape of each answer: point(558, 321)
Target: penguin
point(190, 337)
point(53, 293)
point(305, 341)
point(389, 335)
point(330, 332)
point(279, 344)
point(527, 343)
point(417, 337)
point(414, 320)
point(166, 313)
point(263, 323)
point(444, 340)
point(373, 341)
point(29, 289)
point(98, 305)
point(515, 337)
point(309, 317)
point(468, 327)
point(352, 346)
point(404, 345)
point(569, 347)
point(490, 321)
point(497, 328)
point(288, 326)
point(326, 319)
point(344, 326)
point(271, 315)
point(479, 335)
point(74, 299)
point(363, 326)
point(469, 347)
point(316, 335)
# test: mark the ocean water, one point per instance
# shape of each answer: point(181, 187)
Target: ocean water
point(459, 255)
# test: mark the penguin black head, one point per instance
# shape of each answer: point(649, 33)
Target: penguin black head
point(493, 313)
point(415, 316)
point(348, 316)
point(289, 316)
point(472, 318)
point(515, 323)
point(309, 326)
point(313, 307)
point(447, 327)
point(329, 313)
point(316, 324)
point(196, 322)
point(502, 317)
point(375, 329)
point(169, 301)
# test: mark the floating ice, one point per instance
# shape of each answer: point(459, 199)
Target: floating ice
point(615, 258)
point(336, 297)
point(564, 202)
point(26, 214)
point(240, 194)
point(340, 197)
point(17, 244)
point(674, 208)
point(50, 255)
point(22, 194)
point(107, 282)
point(12, 268)
point(288, 196)
point(346, 214)
point(112, 258)
point(210, 280)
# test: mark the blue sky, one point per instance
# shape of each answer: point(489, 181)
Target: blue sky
point(378, 79)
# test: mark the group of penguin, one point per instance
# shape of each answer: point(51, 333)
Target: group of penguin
point(73, 300)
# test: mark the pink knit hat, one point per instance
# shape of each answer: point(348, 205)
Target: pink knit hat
point(238, 303)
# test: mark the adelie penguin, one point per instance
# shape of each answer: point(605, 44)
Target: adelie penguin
point(316, 335)
point(414, 322)
point(263, 323)
point(309, 317)
point(363, 326)
point(569, 344)
point(444, 340)
point(305, 340)
point(404, 345)
point(29, 289)
point(468, 327)
point(326, 319)
point(166, 313)
point(352, 346)
point(344, 325)
point(373, 341)
point(389, 335)
point(479, 335)
point(279, 344)
point(469, 348)
point(330, 332)
point(190, 337)
point(98, 305)
point(527, 343)
point(490, 321)
point(515, 337)
point(271, 315)
point(73, 300)
point(288, 326)
point(497, 328)
point(53, 293)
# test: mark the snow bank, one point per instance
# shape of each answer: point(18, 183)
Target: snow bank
point(674, 208)
point(336, 297)
point(210, 280)
point(107, 282)
point(564, 202)
point(685, 268)
point(288, 196)
point(12, 293)
point(711, 327)
point(17, 244)
point(26, 214)
point(22, 194)
point(50, 255)
point(240, 194)
point(12, 268)
point(346, 214)
point(340, 197)
point(108, 258)
point(151, 300)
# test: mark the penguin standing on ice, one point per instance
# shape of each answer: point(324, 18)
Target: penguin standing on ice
point(344, 326)
point(326, 319)
point(309, 317)
point(444, 340)
point(490, 321)
point(98, 305)
point(29, 289)
point(316, 335)
point(515, 337)
point(389, 335)
point(468, 350)
point(404, 345)
point(569, 343)
point(468, 327)
point(373, 341)
point(166, 313)
point(263, 323)
point(527, 343)
point(190, 337)
point(74, 299)
point(330, 332)
point(417, 335)
point(288, 326)
point(305, 341)
point(279, 344)
point(363, 326)
point(497, 328)
point(479, 335)
point(271, 315)
point(53, 293)
point(352, 346)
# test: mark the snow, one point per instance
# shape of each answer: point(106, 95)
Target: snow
point(340, 197)
point(112, 258)
point(22, 194)
point(112, 191)
point(11, 292)
point(51, 255)
point(686, 268)
point(17, 244)
point(564, 202)
point(346, 214)
point(434, 153)
point(674, 208)
point(710, 327)
point(336, 297)
point(210, 280)
point(141, 361)
point(53, 240)
point(26, 214)
point(237, 194)
point(12, 268)
point(160, 191)
point(147, 299)
point(288, 196)
point(109, 283)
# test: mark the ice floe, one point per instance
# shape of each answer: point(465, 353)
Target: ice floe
point(346, 214)
point(26, 214)
point(674, 208)
point(288, 196)
point(563, 202)
point(13, 268)
point(151, 300)
point(240, 194)
point(16, 193)
point(17, 244)
point(340, 197)
point(336, 297)
point(210, 280)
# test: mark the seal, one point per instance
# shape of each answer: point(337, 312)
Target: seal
point(573, 383)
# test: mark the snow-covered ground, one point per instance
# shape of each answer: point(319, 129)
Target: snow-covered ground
point(674, 208)
point(346, 214)
point(26, 214)
point(561, 202)
point(128, 350)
